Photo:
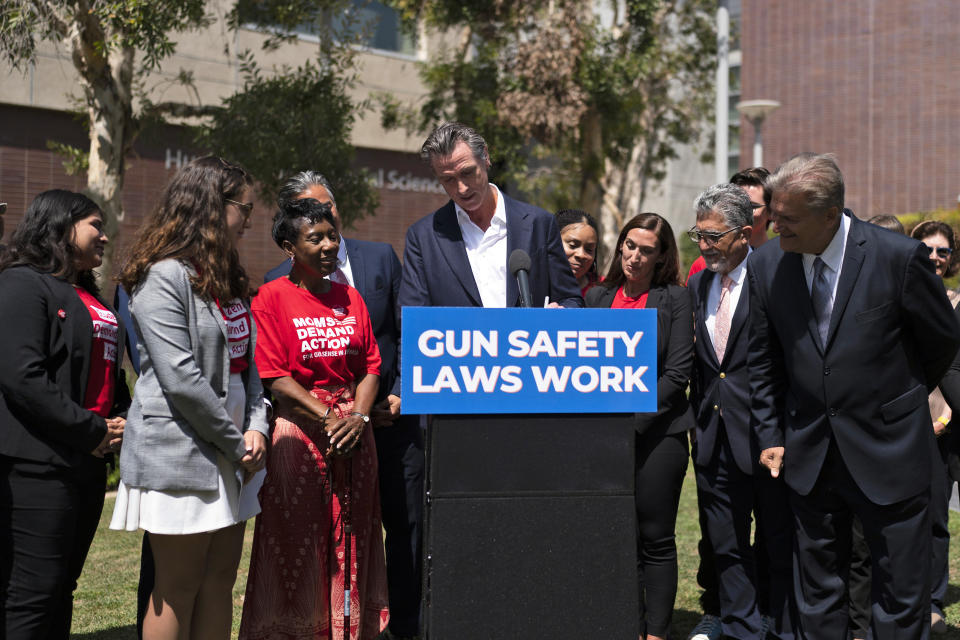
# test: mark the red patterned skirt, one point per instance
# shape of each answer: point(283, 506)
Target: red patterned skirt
point(295, 586)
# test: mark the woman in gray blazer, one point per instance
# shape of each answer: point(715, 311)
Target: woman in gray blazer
point(196, 431)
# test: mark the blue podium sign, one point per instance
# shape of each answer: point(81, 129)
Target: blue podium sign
point(468, 360)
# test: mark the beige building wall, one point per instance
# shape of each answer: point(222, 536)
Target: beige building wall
point(210, 55)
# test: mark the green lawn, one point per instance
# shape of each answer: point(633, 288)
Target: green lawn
point(105, 607)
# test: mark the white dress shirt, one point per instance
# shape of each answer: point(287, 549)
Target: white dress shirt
point(832, 257)
point(739, 275)
point(343, 266)
point(487, 253)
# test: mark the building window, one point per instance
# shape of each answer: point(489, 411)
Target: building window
point(371, 24)
point(381, 28)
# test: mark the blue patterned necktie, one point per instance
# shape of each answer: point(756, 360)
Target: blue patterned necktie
point(820, 296)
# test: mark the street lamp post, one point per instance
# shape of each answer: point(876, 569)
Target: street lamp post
point(756, 111)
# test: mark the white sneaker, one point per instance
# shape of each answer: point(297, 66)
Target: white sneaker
point(707, 629)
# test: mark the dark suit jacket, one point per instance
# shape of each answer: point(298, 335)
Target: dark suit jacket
point(121, 302)
point(674, 357)
point(279, 271)
point(376, 274)
point(709, 392)
point(437, 273)
point(46, 341)
point(892, 336)
point(950, 388)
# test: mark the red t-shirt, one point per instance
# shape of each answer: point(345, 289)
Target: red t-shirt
point(698, 265)
point(238, 334)
point(622, 301)
point(103, 356)
point(317, 340)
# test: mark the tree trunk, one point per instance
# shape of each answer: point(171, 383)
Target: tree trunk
point(592, 187)
point(107, 83)
point(591, 162)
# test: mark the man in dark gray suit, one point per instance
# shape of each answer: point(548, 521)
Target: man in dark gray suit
point(457, 256)
point(850, 329)
point(731, 485)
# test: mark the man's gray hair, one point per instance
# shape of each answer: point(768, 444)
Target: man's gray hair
point(816, 177)
point(445, 138)
point(300, 182)
point(729, 200)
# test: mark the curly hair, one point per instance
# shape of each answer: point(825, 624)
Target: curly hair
point(667, 271)
point(44, 237)
point(291, 215)
point(190, 225)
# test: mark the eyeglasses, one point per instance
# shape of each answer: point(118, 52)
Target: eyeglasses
point(245, 207)
point(710, 237)
point(942, 252)
point(757, 205)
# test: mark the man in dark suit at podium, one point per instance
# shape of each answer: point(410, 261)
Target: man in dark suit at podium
point(731, 484)
point(457, 256)
point(850, 329)
point(374, 270)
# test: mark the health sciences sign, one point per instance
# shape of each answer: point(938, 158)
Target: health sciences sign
point(393, 180)
point(469, 360)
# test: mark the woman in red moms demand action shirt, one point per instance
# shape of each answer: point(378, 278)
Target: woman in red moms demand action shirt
point(317, 353)
point(63, 395)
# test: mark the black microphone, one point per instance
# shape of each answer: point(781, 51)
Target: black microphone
point(519, 265)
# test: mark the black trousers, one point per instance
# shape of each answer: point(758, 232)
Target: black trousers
point(661, 463)
point(940, 488)
point(400, 462)
point(729, 501)
point(48, 517)
point(941, 485)
point(898, 536)
point(859, 582)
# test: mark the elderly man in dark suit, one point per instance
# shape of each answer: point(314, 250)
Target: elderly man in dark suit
point(850, 329)
point(731, 485)
point(457, 256)
point(374, 270)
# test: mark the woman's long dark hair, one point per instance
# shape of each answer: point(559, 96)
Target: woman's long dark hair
point(667, 271)
point(44, 237)
point(190, 224)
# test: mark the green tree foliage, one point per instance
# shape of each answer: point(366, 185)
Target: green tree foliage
point(280, 122)
point(113, 44)
point(299, 119)
point(578, 107)
point(287, 120)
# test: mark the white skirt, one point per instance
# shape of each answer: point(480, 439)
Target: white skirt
point(185, 512)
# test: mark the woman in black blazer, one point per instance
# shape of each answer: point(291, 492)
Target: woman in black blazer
point(62, 394)
point(645, 273)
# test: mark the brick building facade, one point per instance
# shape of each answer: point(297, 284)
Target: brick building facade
point(877, 82)
point(407, 188)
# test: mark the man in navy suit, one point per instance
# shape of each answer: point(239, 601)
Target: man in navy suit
point(457, 256)
point(731, 485)
point(850, 329)
point(374, 270)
